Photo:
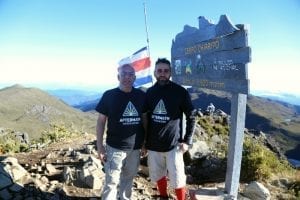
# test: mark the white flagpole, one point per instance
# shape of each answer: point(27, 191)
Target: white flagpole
point(146, 26)
point(147, 35)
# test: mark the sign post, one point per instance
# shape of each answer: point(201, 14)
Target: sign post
point(215, 57)
point(238, 112)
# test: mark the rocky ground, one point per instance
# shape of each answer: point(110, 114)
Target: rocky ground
point(53, 183)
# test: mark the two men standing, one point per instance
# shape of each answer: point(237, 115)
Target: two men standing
point(124, 110)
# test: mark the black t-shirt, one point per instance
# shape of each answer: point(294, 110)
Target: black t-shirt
point(166, 105)
point(124, 118)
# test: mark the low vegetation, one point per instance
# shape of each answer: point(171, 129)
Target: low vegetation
point(295, 186)
point(214, 126)
point(57, 133)
point(9, 143)
point(260, 163)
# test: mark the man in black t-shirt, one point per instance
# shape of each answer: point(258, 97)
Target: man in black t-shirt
point(122, 109)
point(165, 142)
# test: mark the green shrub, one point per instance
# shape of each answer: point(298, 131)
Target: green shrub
point(56, 133)
point(259, 163)
point(9, 144)
point(295, 188)
point(206, 124)
point(295, 185)
point(213, 127)
point(221, 130)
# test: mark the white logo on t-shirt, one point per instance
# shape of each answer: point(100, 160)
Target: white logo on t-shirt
point(130, 110)
point(160, 113)
point(160, 108)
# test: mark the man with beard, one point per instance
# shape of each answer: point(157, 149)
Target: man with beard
point(165, 142)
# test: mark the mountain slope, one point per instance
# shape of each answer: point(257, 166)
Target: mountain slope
point(283, 116)
point(31, 110)
point(280, 120)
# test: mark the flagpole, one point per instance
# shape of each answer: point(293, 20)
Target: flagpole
point(147, 34)
point(146, 26)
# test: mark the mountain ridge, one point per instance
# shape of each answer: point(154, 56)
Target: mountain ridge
point(284, 97)
point(32, 110)
point(74, 97)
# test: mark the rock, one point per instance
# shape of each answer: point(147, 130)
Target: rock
point(51, 170)
point(199, 149)
point(256, 190)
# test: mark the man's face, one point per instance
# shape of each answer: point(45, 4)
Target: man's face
point(126, 76)
point(162, 73)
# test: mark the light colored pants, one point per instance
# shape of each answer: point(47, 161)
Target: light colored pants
point(120, 169)
point(167, 164)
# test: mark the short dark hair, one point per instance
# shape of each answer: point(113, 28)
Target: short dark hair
point(123, 66)
point(163, 60)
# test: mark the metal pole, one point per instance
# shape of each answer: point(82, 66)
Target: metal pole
point(146, 26)
point(147, 35)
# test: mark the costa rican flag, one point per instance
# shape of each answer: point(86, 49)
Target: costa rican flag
point(141, 63)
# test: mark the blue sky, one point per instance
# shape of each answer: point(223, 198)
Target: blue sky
point(64, 43)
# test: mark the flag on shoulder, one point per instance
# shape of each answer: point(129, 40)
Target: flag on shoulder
point(141, 63)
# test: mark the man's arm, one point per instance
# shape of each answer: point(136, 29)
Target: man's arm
point(145, 125)
point(189, 132)
point(190, 127)
point(190, 117)
point(100, 133)
point(145, 122)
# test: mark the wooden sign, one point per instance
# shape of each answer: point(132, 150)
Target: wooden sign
point(213, 56)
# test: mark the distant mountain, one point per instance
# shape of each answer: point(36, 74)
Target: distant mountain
point(31, 110)
point(75, 97)
point(279, 96)
point(80, 99)
point(88, 105)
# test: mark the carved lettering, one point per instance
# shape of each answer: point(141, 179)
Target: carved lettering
point(225, 65)
point(198, 48)
point(205, 83)
point(212, 84)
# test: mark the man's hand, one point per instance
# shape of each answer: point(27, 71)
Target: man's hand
point(102, 154)
point(184, 147)
point(144, 151)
